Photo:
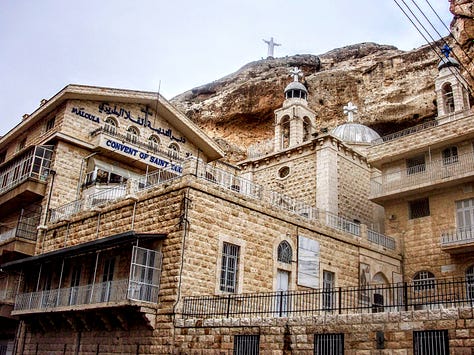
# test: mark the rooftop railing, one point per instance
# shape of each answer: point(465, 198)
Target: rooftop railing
point(405, 132)
point(341, 300)
point(436, 171)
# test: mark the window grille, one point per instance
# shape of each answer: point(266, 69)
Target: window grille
point(110, 125)
point(329, 344)
point(431, 342)
point(424, 280)
point(132, 134)
point(284, 252)
point(50, 124)
point(470, 282)
point(230, 262)
point(419, 208)
point(246, 344)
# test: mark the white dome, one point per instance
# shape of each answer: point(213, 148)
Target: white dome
point(295, 85)
point(355, 133)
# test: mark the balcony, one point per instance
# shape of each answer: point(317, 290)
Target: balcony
point(99, 295)
point(20, 238)
point(425, 177)
point(458, 240)
point(24, 177)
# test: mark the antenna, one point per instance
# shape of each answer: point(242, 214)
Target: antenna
point(157, 101)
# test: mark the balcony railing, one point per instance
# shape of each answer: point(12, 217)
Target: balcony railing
point(33, 164)
point(457, 236)
point(406, 132)
point(231, 182)
point(343, 300)
point(26, 227)
point(436, 171)
point(99, 293)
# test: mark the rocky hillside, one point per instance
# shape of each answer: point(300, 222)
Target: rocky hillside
point(462, 28)
point(393, 89)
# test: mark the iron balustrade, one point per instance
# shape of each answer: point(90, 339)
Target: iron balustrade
point(436, 171)
point(381, 239)
point(103, 292)
point(342, 300)
point(405, 132)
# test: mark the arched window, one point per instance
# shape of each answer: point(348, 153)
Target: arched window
point(423, 281)
point(110, 125)
point(306, 129)
point(173, 151)
point(285, 254)
point(450, 155)
point(470, 282)
point(132, 134)
point(285, 132)
point(154, 142)
point(448, 98)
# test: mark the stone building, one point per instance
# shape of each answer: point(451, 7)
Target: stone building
point(123, 232)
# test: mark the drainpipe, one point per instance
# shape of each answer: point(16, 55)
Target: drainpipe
point(42, 228)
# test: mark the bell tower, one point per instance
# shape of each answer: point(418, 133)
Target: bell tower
point(452, 96)
point(294, 122)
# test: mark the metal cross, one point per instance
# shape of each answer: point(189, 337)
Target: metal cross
point(446, 50)
point(349, 110)
point(296, 73)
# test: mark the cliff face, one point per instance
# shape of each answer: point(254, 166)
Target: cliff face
point(462, 28)
point(393, 89)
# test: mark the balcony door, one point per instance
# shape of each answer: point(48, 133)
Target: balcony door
point(75, 280)
point(145, 275)
point(465, 216)
point(282, 304)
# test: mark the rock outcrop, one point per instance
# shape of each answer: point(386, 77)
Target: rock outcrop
point(392, 88)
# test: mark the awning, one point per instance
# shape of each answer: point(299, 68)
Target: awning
point(85, 248)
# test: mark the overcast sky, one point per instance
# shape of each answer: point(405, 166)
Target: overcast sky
point(134, 44)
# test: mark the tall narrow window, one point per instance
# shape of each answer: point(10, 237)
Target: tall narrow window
point(154, 142)
point(465, 216)
point(284, 252)
point(448, 98)
point(50, 124)
point(328, 290)
point(110, 125)
point(450, 155)
point(470, 282)
point(132, 134)
point(229, 267)
point(173, 151)
point(306, 129)
point(285, 132)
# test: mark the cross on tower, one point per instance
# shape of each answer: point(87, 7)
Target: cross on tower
point(349, 110)
point(446, 50)
point(296, 73)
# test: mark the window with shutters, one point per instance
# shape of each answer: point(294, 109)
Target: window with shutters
point(229, 267)
point(464, 215)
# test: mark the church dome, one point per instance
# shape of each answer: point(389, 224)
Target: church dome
point(351, 132)
point(295, 85)
point(448, 62)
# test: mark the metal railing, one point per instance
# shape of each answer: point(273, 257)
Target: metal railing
point(94, 200)
point(341, 223)
point(381, 239)
point(34, 163)
point(104, 292)
point(405, 132)
point(342, 300)
point(457, 236)
point(25, 228)
point(435, 171)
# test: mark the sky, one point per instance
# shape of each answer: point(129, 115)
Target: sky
point(173, 46)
